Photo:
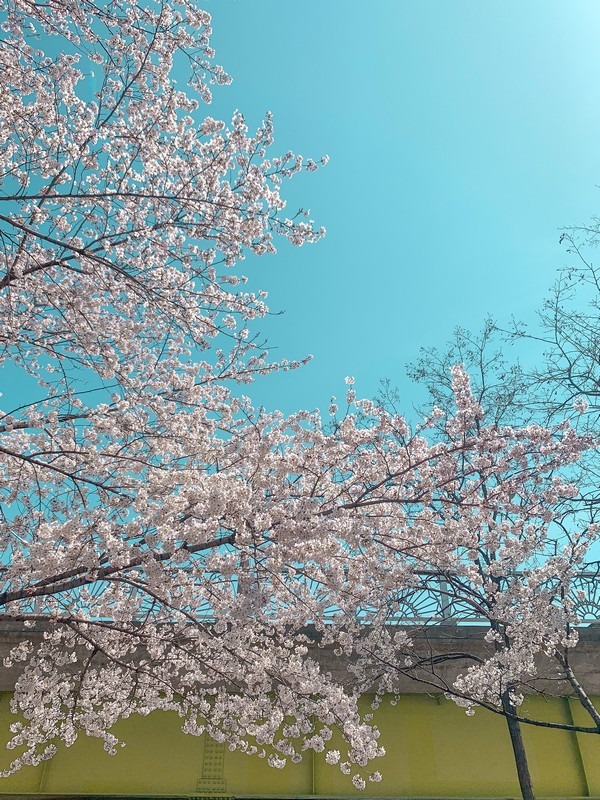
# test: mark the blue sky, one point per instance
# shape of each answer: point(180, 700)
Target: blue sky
point(462, 135)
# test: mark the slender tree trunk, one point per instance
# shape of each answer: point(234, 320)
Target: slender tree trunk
point(518, 746)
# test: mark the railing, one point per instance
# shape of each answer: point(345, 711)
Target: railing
point(436, 601)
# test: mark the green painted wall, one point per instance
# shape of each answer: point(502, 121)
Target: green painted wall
point(434, 750)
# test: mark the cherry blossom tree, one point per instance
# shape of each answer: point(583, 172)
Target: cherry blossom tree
point(123, 214)
point(165, 545)
point(502, 549)
point(550, 393)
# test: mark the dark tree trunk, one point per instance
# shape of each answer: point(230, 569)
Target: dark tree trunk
point(518, 746)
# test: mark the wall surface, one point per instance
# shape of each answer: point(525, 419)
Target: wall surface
point(433, 750)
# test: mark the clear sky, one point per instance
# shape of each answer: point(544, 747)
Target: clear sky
point(462, 135)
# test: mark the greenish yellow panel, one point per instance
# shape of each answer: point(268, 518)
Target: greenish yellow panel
point(434, 748)
point(589, 745)
point(247, 775)
point(553, 755)
point(466, 756)
point(27, 780)
point(157, 759)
